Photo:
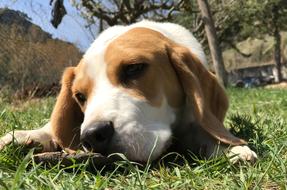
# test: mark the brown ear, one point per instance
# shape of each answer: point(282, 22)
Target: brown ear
point(207, 98)
point(67, 116)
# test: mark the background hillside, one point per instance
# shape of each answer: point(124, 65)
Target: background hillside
point(30, 60)
point(260, 51)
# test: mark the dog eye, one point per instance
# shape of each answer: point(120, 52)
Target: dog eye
point(81, 97)
point(133, 71)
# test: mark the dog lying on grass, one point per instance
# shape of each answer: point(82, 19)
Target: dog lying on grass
point(141, 90)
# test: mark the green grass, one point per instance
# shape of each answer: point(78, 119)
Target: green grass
point(258, 115)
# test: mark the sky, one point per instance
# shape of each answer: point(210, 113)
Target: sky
point(71, 29)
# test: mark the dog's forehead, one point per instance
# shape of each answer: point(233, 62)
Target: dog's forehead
point(135, 43)
point(124, 43)
point(138, 37)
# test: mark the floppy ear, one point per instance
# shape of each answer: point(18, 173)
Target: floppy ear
point(67, 116)
point(203, 93)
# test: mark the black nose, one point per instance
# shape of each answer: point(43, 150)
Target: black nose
point(97, 136)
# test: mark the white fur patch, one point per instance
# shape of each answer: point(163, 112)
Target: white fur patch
point(138, 126)
point(243, 153)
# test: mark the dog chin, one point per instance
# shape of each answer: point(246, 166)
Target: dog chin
point(141, 144)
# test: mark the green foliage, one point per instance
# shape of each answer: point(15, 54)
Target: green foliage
point(263, 15)
point(257, 115)
point(237, 20)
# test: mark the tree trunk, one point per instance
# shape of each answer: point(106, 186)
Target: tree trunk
point(277, 46)
point(277, 57)
point(214, 47)
point(101, 25)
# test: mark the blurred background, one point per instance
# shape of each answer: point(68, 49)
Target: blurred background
point(245, 40)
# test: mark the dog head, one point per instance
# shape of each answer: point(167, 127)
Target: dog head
point(133, 87)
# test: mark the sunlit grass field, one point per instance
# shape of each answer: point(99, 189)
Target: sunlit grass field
point(257, 115)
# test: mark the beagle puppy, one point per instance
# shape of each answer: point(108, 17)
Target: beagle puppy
point(141, 90)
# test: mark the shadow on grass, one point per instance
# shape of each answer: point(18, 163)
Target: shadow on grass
point(244, 127)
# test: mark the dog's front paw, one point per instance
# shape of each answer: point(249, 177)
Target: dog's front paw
point(241, 153)
point(29, 139)
point(17, 137)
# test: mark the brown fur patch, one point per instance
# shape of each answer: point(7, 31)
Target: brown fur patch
point(203, 93)
point(141, 45)
point(82, 84)
point(66, 116)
